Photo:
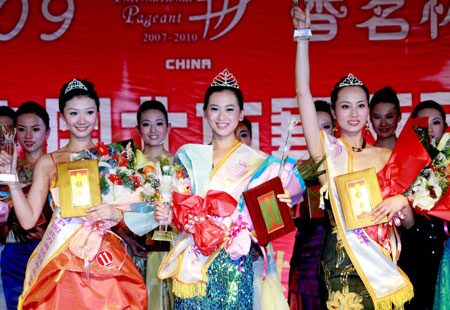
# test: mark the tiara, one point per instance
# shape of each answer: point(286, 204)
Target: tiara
point(350, 80)
point(75, 84)
point(225, 79)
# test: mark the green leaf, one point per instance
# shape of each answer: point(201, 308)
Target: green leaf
point(309, 169)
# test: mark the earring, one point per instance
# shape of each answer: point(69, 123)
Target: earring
point(367, 129)
point(334, 131)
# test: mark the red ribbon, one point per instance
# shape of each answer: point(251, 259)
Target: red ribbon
point(407, 160)
point(194, 215)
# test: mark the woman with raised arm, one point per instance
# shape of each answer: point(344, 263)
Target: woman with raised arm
point(57, 277)
point(357, 272)
point(211, 263)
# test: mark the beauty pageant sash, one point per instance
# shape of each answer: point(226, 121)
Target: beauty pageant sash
point(386, 283)
point(185, 262)
point(55, 240)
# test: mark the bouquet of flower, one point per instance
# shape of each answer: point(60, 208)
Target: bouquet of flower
point(123, 169)
point(166, 177)
point(429, 193)
point(173, 177)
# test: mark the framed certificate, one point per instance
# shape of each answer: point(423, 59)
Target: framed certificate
point(79, 187)
point(359, 193)
point(310, 207)
point(271, 217)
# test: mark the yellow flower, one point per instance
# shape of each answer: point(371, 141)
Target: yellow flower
point(443, 142)
point(344, 300)
point(141, 160)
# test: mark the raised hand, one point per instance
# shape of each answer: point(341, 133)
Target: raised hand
point(300, 18)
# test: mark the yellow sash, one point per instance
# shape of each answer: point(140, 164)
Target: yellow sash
point(386, 283)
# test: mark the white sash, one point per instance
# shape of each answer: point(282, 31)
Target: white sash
point(58, 232)
point(385, 282)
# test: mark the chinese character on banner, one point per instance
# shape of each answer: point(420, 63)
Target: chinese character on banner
point(209, 15)
point(325, 28)
point(382, 9)
point(430, 12)
point(283, 109)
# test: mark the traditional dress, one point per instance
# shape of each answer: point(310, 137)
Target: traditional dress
point(210, 264)
point(358, 273)
point(81, 265)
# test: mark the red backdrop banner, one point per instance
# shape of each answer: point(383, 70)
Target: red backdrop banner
point(170, 50)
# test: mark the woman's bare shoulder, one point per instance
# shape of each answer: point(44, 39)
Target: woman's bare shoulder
point(44, 160)
point(48, 161)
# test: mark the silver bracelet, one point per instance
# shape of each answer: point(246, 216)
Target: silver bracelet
point(302, 34)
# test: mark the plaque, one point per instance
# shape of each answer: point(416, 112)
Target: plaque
point(271, 218)
point(79, 187)
point(310, 207)
point(359, 193)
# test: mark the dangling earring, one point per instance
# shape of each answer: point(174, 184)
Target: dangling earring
point(336, 130)
point(367, 129)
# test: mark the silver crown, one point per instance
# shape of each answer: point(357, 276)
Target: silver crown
point(225, 79)
point(350, 80)
point(75, 84)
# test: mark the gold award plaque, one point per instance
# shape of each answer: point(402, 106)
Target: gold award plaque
point(359, 192)
point(79, 187)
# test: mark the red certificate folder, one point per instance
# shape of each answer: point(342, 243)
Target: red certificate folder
point(271, 218)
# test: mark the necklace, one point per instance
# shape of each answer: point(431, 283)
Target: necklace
point(359, 149)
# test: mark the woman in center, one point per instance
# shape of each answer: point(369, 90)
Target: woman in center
point(356, 271)
point(211, 263)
